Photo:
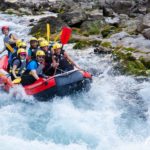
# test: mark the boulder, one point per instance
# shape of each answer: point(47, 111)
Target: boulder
point(94, 14)
point(40, 28)
point(114, 21)
point(144, 22)
point(123, 6)
point(108, 12)
point(146, 33)
point(102, 50)
point(73, 18)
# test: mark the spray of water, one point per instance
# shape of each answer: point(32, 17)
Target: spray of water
point(113, 115)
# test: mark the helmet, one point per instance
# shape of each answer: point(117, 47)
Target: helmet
point(56, 46)
point(18, 42)
point(40, 39)
point(21, 50)
point(40, 53)
point(33, 39)
point(44, 43)
point(22, 44)
point(5, 28)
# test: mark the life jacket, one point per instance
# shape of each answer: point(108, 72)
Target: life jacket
point(48, 58)
point(64, 63)
point(33, 52)
point(39, 69)
point(6, 40)
point(20, 68)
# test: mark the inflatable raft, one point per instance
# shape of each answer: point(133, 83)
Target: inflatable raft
point(43, 89)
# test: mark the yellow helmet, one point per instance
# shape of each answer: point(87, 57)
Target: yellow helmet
point(21, 50)
point(44, 43)
point(40, 39)
point(18, 42)
point(56, 46)
point(33, 39)
point(22, 44)
point(40, 53)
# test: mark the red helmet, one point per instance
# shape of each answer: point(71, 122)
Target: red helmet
point(5, 28)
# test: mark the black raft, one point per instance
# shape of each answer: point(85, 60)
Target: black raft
point(66, 83)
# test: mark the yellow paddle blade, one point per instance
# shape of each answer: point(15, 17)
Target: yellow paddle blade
point(48, 31)
point(9, 47)
point(57, 37)
point(16, 81)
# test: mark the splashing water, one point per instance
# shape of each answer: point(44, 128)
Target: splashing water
point(113, 115)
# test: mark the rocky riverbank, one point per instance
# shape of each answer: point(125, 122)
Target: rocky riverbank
point(120, 27)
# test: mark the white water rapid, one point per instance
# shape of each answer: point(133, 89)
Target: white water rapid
point(113, 115)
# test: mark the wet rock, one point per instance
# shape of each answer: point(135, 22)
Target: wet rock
point(146, 33)
point(144, 23)
point(91, 27)
point(73, 18)
point(123, 6)
point(114, 21)
point(94, 14)
point(40, 28)
point(102, 50)
point(108, 12)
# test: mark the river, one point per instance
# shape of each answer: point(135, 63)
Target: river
point(113, 115)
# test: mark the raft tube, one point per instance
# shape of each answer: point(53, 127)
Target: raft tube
point(60, 85)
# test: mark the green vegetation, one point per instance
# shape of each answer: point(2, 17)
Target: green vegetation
point(130, 64)
point(106, 44)
point(108, 30)
point(84, 44)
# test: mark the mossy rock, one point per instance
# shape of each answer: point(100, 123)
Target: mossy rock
point(91, 27)
point(130, 49)
point(84, 44)
point(146, 63)
point(39, 30)
point(135, 67)
point(108, 30)
point(106, 44)
point(129, 64)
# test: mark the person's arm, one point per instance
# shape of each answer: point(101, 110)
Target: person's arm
point(13, 38)
point(54, 63)
point(2, 50)
point(70, 60)
point(34, 74)
point(13, 71)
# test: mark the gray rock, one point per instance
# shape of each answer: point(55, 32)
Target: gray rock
point(74, 17)
point(146, 33)
point(94, 14)
point(115, 21)
point(123, 6)
point(108, 12)
point(102, 50)
point(144, 23)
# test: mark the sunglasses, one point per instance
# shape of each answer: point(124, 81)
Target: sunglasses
point(23, 47)
point(23, 55)
point(41, 57)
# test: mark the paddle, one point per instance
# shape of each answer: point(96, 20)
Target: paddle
point(64, 38)
point(9, 47)
point(48, 31)
point(57, 37)
point(16, 81)
point(66, 34)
